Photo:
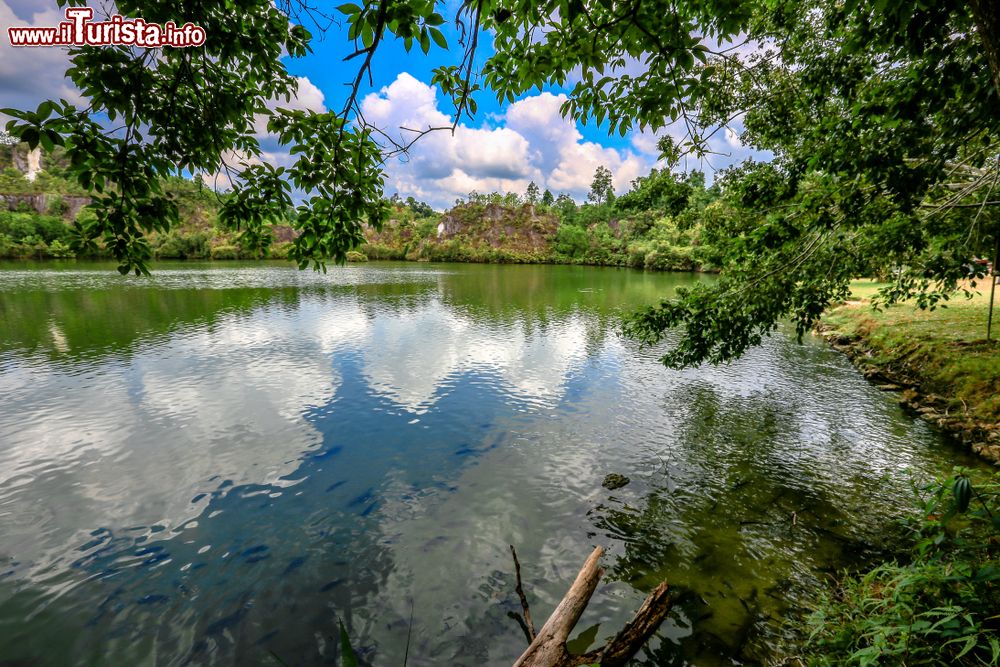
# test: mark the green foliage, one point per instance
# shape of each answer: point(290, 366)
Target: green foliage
point(419, 208)
point(531, 195)
point(565, 205)
point(497, 227)
point(881, 117)
point(280, 250)
point(883, 124)
point(941, 352)
point(58, 206)
point(176, 245)
point(219, 252)
point(941, 606)
point(511, 199)
point(59, 250)
point(29, 235)
point(156, 103)
point(571, 241)
point(661, 190)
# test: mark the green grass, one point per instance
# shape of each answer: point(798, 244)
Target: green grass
point(943, 351)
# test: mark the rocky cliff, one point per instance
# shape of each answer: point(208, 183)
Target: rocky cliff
point(469, 232)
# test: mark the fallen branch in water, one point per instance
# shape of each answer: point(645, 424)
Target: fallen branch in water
point(528, 625)
point(548, 648)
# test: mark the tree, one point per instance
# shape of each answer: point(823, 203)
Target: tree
point(602, 188)
point(419, 208)
point(547, 198)
point(531, 196)
point(659, 190)
point(874, 173)
point(565, 204)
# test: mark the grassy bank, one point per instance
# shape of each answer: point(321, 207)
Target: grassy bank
point(941, 359)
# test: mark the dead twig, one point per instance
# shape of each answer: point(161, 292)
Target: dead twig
point(524, 600)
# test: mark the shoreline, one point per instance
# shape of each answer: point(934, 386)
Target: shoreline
point(979, 436)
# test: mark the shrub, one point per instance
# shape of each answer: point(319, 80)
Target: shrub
point(939, 607)
point(178, 245)
point(58, 207)
point(50, 228)
point(8, 249)
point(279, 250)
point(16, 225)
point(225, 252)
point(60, 250)
point(571, 241)
point(355, 256)
point(636, 255)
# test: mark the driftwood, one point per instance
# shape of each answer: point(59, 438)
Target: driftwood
point(548, 648)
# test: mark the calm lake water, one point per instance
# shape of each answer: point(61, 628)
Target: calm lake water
point(214, 465)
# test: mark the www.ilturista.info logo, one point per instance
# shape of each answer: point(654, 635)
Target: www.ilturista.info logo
point(79, 30)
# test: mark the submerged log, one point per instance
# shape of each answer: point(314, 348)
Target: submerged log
point(548, 649)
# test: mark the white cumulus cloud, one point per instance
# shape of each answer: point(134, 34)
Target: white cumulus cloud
point(529, 141)
point(28, 76)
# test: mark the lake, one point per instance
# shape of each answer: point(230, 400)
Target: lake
point(217, 464)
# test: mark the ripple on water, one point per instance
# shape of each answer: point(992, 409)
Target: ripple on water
point(215, 465)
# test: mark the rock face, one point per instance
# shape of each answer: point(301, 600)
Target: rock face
point(469, 231)
point(499, 227)
point(34, 163)
point(42, 203)
point(19, 156)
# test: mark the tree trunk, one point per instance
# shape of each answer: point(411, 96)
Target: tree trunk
point(548, 648)
point(987, 17)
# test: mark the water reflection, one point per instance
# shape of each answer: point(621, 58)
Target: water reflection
point(212, 467)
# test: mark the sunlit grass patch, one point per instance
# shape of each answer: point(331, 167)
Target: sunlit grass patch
point(944, 350)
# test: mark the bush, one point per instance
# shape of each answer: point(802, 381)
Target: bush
point(20, 226)
point(379, 251)
point(60, 250)
point(665, 257)
point(58, 206)
point(279, 250)
point(571, 241)
point(225, 252)
point(8, 249)
point(178, 245)
point(355, 256)
point(940, 607)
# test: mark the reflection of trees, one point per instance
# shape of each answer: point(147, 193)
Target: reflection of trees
point(75, 324)
point(537, 298)
point(295, 561)
point(740, 525)
point(502, 293)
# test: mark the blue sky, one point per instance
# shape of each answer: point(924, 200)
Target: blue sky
point(503, 149)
